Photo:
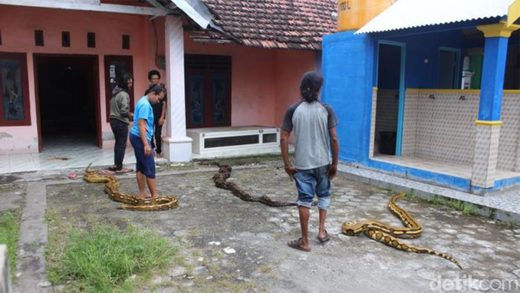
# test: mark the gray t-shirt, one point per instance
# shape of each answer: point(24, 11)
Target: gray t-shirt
point(311, 123)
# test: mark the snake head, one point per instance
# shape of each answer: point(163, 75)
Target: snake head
point(350, 228)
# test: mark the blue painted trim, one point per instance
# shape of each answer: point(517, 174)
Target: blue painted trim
point(459, 65)
point(436, 28)
point(400, 113)
point(402, 89)
point(463, 184)
point(499, 185)
point(455, 182)
point(493, 74)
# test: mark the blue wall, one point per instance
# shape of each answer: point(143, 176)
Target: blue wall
point(348, 70)
point(425, 46)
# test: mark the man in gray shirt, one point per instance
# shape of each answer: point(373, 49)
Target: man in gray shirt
point(314, 126)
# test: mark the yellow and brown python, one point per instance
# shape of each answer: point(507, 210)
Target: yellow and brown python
point(128, 202)
point(388, 234)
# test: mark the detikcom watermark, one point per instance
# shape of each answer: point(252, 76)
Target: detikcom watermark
point(468, 283)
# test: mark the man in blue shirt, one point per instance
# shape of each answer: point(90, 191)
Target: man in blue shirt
point(141, 140)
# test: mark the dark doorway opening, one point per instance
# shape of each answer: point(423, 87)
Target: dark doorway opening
point(67, 95)
point(387, 110)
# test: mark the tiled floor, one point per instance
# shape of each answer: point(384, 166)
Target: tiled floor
point(62, 154)
point(448, 168)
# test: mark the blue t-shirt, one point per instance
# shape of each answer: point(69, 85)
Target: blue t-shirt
point(143, 110)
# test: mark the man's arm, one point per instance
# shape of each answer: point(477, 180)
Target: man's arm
point(284, 146)
point(124, 106)
point(162, 118)
point(334, 147)
point(142, 135)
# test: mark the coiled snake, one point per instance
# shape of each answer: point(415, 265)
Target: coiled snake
point(129, 202)
point(388, 235)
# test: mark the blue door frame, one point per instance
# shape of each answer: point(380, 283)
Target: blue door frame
point(400, 113)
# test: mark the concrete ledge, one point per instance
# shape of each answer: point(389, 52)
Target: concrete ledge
point(502, 206)
point(5, 279)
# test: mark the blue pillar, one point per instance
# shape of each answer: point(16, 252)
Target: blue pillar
point(490, 107)
point(495, 56)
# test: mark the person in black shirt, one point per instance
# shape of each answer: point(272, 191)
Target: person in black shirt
point(159, 112)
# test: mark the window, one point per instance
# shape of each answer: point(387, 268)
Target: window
point(126, 42)
point(65, 39)
point(449, 68)
point(115, 67)
point(208, 90)
point(91, 40)
point(38, 38)
point(14, 108)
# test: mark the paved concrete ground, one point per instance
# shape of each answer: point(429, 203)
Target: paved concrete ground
point(231, 245)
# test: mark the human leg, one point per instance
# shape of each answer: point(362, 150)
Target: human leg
point(305, 184)
point(149, 172)
point(139, 164)
point(141, 184)
point(158, 139)
point(323, 193)
point(120, 131)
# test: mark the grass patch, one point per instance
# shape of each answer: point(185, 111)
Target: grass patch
point(9, 234)
point(464, 207)
point(105, 259)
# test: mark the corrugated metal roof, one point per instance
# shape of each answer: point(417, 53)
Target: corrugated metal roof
point(416, 13)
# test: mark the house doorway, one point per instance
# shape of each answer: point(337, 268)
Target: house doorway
point(449, 67)
point(390, 99)
point(68, 100)
point(208, 91)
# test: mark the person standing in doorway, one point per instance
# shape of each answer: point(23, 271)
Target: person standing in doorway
point(314, 127)
point(141, 140)
point(120, 116)
point(159, 112)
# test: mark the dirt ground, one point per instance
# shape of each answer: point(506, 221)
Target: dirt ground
point(229, 245)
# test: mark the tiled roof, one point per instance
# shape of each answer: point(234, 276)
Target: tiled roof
point(293, 24)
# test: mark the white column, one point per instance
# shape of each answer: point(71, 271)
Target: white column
point(176, 145)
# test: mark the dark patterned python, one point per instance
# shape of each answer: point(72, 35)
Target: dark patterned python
point(128, 202)
point(388, 235)
point(224, 172)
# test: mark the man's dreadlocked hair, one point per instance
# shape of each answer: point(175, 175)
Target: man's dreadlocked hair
point(310, 86)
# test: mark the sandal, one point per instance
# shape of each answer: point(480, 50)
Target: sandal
point(323, 239)
point(122, 170)
point(297, 244)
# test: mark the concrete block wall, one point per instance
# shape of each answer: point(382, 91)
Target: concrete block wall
point(440, 125)
point(508, 148)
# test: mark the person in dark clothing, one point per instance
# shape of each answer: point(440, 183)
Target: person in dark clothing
point(120, 117)
point(159, 111)
point(159, 115)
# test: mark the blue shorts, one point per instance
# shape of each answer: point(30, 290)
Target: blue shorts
point(313, 182)
point(144, 164)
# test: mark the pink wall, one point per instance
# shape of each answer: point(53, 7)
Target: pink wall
point(264, 81)
point(290, 67)
point(18, 25)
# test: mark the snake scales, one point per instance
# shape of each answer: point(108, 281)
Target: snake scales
point(224, 172)
point(388, 234)
point(128, 202)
